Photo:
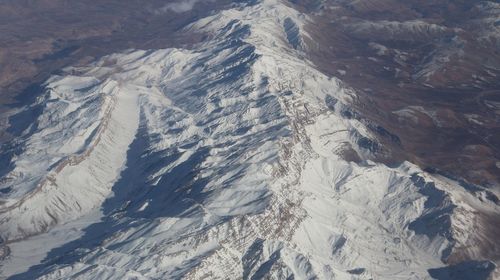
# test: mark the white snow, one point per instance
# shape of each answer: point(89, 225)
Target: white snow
point(223, 161)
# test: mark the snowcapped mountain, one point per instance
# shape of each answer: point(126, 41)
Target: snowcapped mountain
point(234, 159)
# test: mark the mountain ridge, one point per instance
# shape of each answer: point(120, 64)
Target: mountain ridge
point(237, 158)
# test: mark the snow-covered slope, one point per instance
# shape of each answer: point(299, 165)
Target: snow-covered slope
point(233, 160)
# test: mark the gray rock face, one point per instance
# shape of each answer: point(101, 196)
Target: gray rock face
point(234, 158)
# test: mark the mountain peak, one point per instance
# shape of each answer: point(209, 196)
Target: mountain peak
point(236, 158)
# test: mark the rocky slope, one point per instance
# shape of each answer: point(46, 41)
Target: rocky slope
point(429, 71)
point(234, 159)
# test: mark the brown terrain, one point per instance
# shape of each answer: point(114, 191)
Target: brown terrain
point(40, 37)
point(427, 74)
point(427, 77)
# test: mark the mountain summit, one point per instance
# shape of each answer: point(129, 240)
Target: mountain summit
point(238, 157)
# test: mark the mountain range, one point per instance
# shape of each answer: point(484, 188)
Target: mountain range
point(264, 139)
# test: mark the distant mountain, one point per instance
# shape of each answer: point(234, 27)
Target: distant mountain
point(290, 140)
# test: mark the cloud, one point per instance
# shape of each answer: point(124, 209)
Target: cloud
point(180, 6)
